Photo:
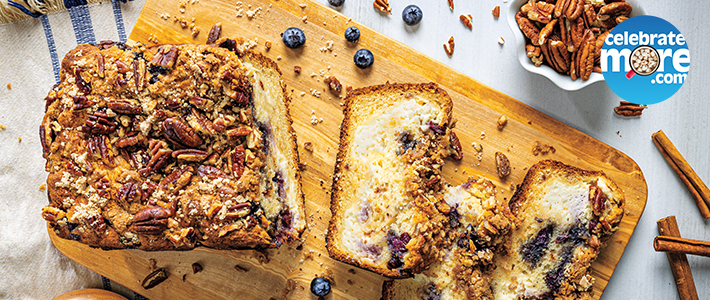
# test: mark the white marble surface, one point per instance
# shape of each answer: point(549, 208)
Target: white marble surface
point(641, 273)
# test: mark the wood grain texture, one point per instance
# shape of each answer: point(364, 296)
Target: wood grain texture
point(476, 106)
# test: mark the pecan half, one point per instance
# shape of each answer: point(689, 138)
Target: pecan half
point(449, 46)
point(575, 9)
point(210, 172)
point(81, 102)
point(596, 196)
point(157, 162)
point(139, 74)
point(46, 136)
point(121, 67)
point(97, 223)
point(177, 180)
point(52, 214)
point(334, 84)
point(455, 144)
point(151, 220)
point(180, 134)
point(165, 57)
point(131, 140)
point(599, 44)
point(502, 165)
point(383, 6)
point(214, 33)
point(590, 16)
point(538, 11)
point(129, 192)
point(84, 87)
point(236, 161)
point(561, 7)
point(238, 132)
point(528, 28)
point(124, 107)
point(101, 64)
point(613, 10)
point(199, 122)
point(154, 278)
point(238, 210)
point(451, 4)
point(628, 109)
point(534, 53)
point(496, 12)
point(576, 35)
point(100, 146)
point(547, 30)
point(190, 154)
point(98, 125)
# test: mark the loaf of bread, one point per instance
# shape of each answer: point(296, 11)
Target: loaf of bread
point(478, 223)
point(171, 147)
point(387, 196)
point(565, 215)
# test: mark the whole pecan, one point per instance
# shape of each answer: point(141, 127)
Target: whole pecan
point(180, 134)
point(457, 152)
point(99, 145)
point(237, 132)
point(599, 44)
point(236, 161)
point(575, 9)
point(628, 109)
point(157, 162)
point(190, 154)
point(124, 107)
point(590, 16)
point(547, 30)
point(154, 278)
point(151, 220)
point(121, 67)
point(131, 140)
point(561, 8)
point(528, 28)
point(576, 35)
point(165, 57)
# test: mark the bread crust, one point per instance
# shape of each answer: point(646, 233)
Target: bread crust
point(143, 154)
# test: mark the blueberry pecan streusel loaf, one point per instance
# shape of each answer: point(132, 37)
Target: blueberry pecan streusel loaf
point(477, 223)
point(387, 193)
point(171, 147)
point(565, 215)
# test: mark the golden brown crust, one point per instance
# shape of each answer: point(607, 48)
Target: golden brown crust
point(158, 148)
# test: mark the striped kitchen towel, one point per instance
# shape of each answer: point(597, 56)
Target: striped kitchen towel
point(34, 37)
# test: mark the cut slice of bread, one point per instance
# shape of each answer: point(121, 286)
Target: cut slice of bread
point(478, 223)
point(565, 214)
point(387, 192)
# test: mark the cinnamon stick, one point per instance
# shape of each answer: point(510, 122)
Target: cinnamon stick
point(698, 189)
point(681, 245)
point(679, 261)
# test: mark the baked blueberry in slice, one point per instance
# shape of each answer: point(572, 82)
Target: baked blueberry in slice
point(293, 37)
point(363, 58)
point(352, 34)
point(412, 15)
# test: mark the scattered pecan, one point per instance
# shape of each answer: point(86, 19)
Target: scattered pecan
point(383, 6)
point(190, 154)
point(467, 21)
point(628, 109)
point(181, 134)
point(540, 148)
point(496, 11)
point(528, 28)
point(297, 69)
point(451, 4)
point(196, 267)
point(433, 181)
point(81, 102)
point(308, 146)
point(154, 278)
point(502, 165)
point(501, 122)
point(334, 84)
point(240, 98)
point(177, 180)
point(52, 214)
point(214, 33)
point(455, 144)
point(151, 220)
point(561, 8)
point(449, 46)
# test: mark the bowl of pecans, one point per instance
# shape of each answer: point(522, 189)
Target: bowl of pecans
point(562, 39)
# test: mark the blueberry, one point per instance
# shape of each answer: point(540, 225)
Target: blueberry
point(293, 37)
point(320, 286)
point(336, 3)
point(363, 58)
point(412, 15)
point(352, 34)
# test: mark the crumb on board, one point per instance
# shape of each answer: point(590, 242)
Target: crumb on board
point(9, 86)
point(42, 187)
point(2, 127)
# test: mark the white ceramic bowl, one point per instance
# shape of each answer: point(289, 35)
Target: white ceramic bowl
point(562, 81)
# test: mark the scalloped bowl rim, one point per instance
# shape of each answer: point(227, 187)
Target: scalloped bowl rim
point(562, 81)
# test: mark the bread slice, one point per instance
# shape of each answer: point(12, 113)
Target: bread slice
point(387, 189)
point(478, 223)
point(171, 147)
point(565, 214)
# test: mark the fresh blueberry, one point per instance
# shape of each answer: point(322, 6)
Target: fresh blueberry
point(352, 34)
point(412, 15)
point(336, 3)
point(363, 58)
point(293, 37)
point(320, 286)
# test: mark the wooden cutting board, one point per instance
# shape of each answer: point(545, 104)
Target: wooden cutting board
point(288, 271)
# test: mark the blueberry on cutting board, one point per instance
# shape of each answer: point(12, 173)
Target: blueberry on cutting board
point(293, 37)
point(412, 15)
point(352, 34)
point(320, 286)
point(336, 3)
point(363, 58)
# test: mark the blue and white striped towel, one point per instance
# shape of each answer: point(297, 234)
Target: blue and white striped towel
point(31, 49)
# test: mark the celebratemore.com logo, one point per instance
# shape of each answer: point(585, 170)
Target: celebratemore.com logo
point(645, 60)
